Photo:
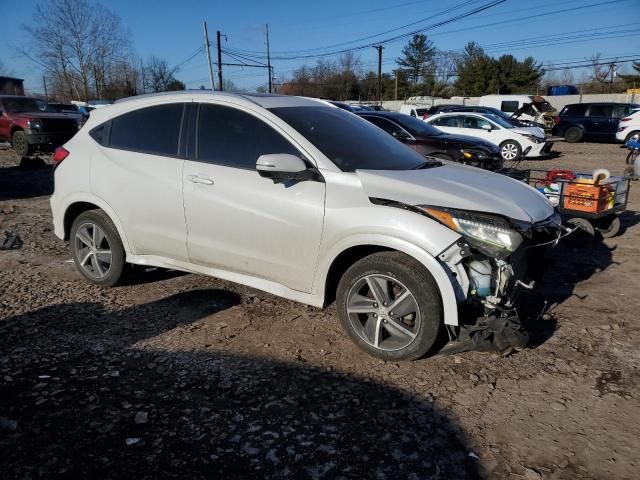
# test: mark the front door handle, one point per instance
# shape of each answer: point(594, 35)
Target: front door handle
point(199, 179)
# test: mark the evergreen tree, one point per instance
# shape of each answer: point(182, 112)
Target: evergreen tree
point(418, 56)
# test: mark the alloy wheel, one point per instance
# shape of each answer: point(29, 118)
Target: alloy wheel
point(383, 312)
point(93, 251)
point(509, 151)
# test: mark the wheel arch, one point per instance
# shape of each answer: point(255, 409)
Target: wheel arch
point(347, 253)
point(77, 206)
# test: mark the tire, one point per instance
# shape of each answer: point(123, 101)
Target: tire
point(633, 136)
point(375, 328)
point(609, 227)
point(584, 236)
point(95, 228)
point(510, 151)
point(573, 135)
point(20, 143)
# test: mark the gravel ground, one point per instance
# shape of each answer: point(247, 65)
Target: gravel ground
point(183, 376)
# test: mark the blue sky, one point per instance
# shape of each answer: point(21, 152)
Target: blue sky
point(173, 30)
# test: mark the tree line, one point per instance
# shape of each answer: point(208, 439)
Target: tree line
point(86, 54)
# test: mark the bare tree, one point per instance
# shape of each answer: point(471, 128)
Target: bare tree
point(158, 75)
point(77, 42)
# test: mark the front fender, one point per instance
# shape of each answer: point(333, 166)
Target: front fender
point(432, 264)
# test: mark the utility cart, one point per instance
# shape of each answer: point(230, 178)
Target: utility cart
point(591, 201)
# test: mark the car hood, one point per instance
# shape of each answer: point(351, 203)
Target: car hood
point(537, 131)
point(461, 187)
point(28, 115)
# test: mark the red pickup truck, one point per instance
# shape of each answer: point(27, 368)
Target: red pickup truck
point(29, 125)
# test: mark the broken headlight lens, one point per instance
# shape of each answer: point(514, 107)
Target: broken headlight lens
point(489, 234)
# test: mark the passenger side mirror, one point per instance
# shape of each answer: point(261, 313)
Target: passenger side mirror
point(283, 166)
point(400, 135)
point(487, 127)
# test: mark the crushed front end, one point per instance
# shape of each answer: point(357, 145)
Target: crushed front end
point(495, 261)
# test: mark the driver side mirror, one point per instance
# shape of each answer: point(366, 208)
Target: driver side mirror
point(400, 135)
point(487, 127)
point(283, 166)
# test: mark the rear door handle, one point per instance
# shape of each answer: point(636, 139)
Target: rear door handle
point(199, 179)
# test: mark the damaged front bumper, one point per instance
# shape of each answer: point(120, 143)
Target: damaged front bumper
point(488, 287)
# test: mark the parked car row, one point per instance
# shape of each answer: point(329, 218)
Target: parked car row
point(594, 121)
point(304, 200)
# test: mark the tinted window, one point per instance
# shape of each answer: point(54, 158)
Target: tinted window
point(149, 130)
point(601, 110)
point(385, 124)
point(348, 141)
point(509, 106)
point(227, 136)
point(416, 127)
point(578, 109)
point(622, 110)
point(446, 122)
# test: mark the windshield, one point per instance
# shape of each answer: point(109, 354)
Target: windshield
point(415, 126)
point(350, 142)
point(21, 105)
point(499, 120)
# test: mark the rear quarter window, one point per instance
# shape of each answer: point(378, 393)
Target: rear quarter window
point(601, 110)
point(579, 110)
point(154, 130)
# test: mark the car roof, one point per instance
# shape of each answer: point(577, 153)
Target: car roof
point(376, 113)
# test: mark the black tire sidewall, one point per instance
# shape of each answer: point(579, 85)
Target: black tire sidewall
point(518, 148)
point(631, 134)
point(417, 279)
point(118, 255)
point(578, 136)
point(23, 143)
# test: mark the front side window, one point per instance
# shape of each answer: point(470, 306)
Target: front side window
point(474, 122)
point(231, 137)
point(385, 124)
point(601, 110)
point(154, 130)
point(579, 109)
point(350, 142)
point(445, 122)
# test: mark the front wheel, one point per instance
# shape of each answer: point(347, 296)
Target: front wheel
point(20, 143)
point(390, 306)
point(633, 136)
point(573, 135)
point(510, 150)
point(96, 249)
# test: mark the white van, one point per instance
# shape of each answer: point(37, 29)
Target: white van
point(414, 110)
point(528, 108)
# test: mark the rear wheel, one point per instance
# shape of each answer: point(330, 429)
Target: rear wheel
point(96, 249)
point(20, 143)
point(573, 135)
point(635, 136)
point(510, 150)
point(390, 306)
point(609, 227)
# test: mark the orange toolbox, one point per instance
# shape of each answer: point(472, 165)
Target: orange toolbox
point(587, 198)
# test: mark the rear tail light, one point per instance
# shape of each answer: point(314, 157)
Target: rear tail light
point(626, 119)
point(556, 119)
point(425, 116)
point(59, 155)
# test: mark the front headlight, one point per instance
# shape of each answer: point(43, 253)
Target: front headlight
point(34, 124)
point(490, 234)
point(533, 138)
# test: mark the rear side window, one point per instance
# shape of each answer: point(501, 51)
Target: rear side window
point(474, 122)
point(601, 110)
point(153, 130)
point(230, 137)
point(510, 106)
point(579, 110)
point(622, 110)
point(445, 122)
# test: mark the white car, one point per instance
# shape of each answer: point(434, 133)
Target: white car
point(514, 142)
point(416, 111)
point(629, 127)
point(300, 199)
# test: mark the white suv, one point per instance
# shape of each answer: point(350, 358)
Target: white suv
point(297, 198)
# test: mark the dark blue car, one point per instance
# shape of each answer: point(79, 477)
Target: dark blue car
point(591, 121)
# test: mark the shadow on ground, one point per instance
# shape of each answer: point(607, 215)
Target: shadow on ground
point(32, 177)
point(91, 403)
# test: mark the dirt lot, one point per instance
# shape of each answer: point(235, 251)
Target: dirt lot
point(183, 376)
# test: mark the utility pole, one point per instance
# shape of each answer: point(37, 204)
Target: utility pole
point(395, 96)
point(219, 62)
point(206, 46)
point(95, 78)
point(44, 81)
point(269, 59)
point(379, 48)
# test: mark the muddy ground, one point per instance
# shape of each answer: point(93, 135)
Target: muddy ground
point(183, 376)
